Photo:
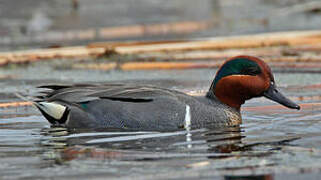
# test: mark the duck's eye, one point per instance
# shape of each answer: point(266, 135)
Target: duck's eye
point(272, 83)
point(252, 70)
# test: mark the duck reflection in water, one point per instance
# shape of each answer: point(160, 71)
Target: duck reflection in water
point(209, 142)
point(254, 177)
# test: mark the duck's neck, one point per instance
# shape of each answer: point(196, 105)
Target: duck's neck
point(233, 114)
point(232, 101)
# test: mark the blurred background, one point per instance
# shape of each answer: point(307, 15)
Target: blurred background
point(41, 23)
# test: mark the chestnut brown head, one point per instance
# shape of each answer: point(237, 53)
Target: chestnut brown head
point(244, 77)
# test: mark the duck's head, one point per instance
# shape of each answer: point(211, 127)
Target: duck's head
point(244, 77)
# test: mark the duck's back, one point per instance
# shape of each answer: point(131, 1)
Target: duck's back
point(133, 107)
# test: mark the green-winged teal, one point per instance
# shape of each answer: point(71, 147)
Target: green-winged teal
point(151, 108)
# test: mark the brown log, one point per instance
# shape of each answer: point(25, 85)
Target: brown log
point(198, 164)
point(294, 59)
point(129, 66)
point(166, 65)
point(295, 65)
point(47, 54)
point(244, 41)
point(269, 54)
point(248, 41)
point(112, 44)
point(15, 104)
point(211, 54)
point(307, 48)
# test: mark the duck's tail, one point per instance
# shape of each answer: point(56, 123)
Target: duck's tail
point(54, 112)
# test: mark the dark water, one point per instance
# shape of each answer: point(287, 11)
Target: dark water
point(272, 142)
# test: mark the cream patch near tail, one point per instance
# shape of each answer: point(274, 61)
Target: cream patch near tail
point(53, 109)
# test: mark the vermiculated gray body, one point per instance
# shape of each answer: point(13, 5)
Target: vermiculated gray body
point(137, 108)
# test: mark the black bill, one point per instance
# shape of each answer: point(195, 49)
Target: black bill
point(273, 94)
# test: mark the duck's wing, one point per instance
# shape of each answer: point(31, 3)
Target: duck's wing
point(118, 92)
point(58, 101)
point(134, 93)
point(66, 93)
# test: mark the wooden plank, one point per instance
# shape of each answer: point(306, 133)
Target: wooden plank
point(112, 44)
point(210, 54)
point(244, 41)
point(136, 65)
point(15, 104)
point(47, 54)
point(268, 54)
point(130, 66)
point(133, 48)
point(167, 65)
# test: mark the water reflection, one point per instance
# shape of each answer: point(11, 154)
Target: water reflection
point(210, 142)
point(260, 177)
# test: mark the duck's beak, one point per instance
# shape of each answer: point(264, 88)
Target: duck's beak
point(273, 94)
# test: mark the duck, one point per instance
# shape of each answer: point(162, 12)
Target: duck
point(148, 108)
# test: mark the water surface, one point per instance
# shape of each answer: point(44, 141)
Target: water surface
point(272, 142)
